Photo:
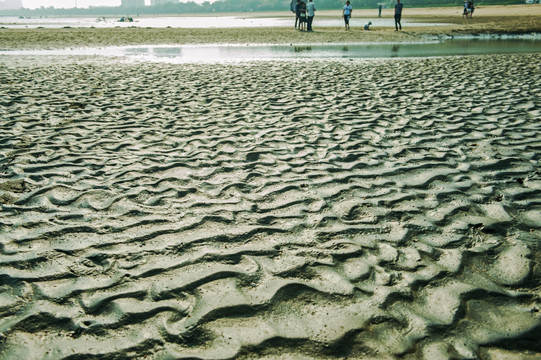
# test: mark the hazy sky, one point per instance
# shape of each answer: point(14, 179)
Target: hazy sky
point(32, 4)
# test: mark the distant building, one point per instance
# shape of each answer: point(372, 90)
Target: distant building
point(133, 3)
point(11, 4)
point(161, 2)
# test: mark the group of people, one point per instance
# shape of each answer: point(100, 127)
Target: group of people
point(346, 14)
point(468, 9)
point(304, 14)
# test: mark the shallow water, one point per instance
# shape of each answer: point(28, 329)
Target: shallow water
point(351, 51)
point(220, 53)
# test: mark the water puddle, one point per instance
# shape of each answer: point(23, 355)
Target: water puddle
point(224, 53)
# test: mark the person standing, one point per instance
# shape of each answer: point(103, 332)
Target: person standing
point(297, 10)
point(379, 8)
point(470, 9)
point(398, 15)
point(346, 14)
point(292, 7)
point(311, 11)
point(302, 16)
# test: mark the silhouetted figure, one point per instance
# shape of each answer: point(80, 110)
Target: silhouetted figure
point(302, 16)
point(297, 10)
point(398, 15)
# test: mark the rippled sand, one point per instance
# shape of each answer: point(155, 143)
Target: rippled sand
point(359, 209)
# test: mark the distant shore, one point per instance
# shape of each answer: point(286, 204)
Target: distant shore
point(516, 19)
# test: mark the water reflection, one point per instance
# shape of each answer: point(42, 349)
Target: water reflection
point(137, 51)
point(299, 49)
point(167, 53)
point(219, 53)
point(394, 50)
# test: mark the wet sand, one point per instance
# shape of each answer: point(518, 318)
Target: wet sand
point(518, 19)
point(280, 210)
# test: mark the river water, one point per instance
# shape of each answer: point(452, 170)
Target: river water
point(225, 53)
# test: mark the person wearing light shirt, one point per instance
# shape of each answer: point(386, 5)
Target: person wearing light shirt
point(346, 14)
point(310, 10)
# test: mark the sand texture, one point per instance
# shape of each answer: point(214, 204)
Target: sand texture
point(292, 210)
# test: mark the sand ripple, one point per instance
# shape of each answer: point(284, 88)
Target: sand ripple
point(303, 210)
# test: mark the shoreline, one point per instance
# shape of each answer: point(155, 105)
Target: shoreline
point(493, 20)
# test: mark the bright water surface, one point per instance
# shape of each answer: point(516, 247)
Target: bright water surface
point(225, 53)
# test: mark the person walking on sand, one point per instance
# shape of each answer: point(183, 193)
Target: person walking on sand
point(311, 11)
point(398, 15)
point(346, 14)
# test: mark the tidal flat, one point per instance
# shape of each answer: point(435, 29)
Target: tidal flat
point(307, 209)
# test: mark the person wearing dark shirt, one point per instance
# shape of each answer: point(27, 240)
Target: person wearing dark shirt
point(470, 9)
point(296, 10)
point(302, 16)
point(397, 15)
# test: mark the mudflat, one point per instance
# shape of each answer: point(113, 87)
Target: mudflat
point(312, 209)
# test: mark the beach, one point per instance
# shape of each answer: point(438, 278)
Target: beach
point(487, 20)
point(286, 209)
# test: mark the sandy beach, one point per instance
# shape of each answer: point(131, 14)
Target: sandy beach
point(517, 19)
point(322, 209)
